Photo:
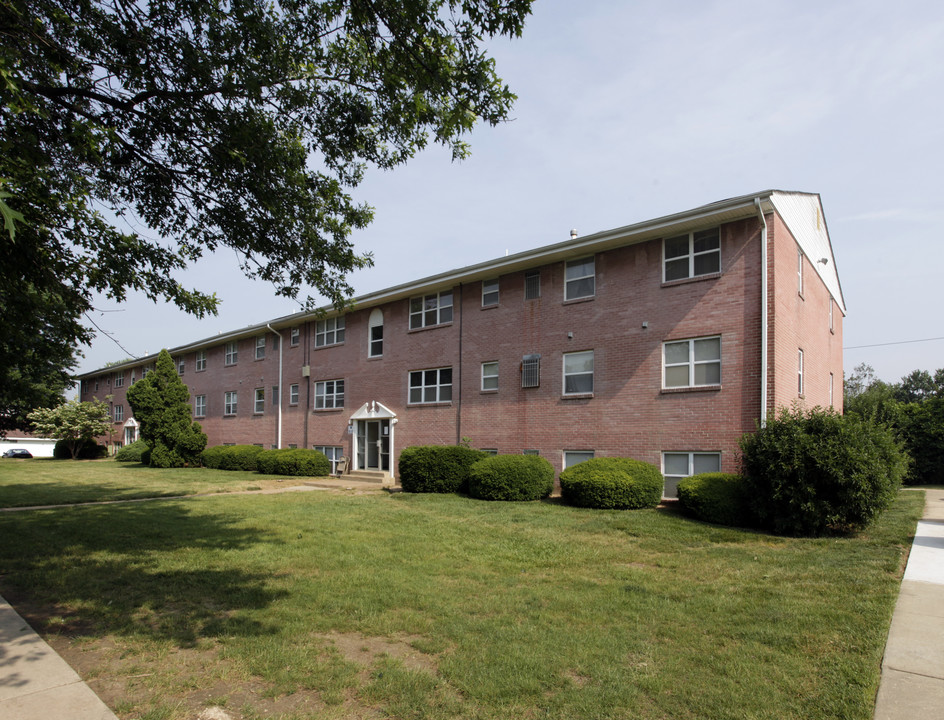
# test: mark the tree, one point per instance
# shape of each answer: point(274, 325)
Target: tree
point(916, 386)
point(73, 422)
point(137, 136)
point(160, 403)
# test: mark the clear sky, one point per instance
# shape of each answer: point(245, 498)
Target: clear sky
point(629, 110)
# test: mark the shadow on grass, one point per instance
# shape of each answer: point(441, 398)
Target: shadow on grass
point(20, 495)
point(152, 570)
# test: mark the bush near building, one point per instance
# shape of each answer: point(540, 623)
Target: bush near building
point(716, 498)
point(294, 462)
point(437, 468)
point(231, 457)
point(612, 483)
point(133, 452)
point(511, 477)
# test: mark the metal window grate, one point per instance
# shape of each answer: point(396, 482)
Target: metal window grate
point(532, 285)
point(531, 371)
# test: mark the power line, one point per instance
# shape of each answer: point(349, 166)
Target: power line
point(900, 342)
point(109, 336)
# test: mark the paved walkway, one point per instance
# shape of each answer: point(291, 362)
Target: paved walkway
point(37, 684)
point(912, 686)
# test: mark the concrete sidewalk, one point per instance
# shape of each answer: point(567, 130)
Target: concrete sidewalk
point(912, 686)
point(35, 683)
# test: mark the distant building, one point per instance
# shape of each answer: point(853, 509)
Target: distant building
point(664, 341)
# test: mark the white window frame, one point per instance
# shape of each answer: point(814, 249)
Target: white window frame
point(258, 406)
point(329, 394)
point(230, 353)
point(490, 376)
point(573, 374)
point(260, 347)
point(490, 292)
point(329, 331)
point(120, 378)
point(375, 334)
point(572, 282)
point(200, 361)
point(119, 413)
point(532, 291)
point(800, 373)
point(430, 386)
point(230, 402)
point(431, 310)
point(334, 453)
point(691, 255)
point(832, 327)
point(181, 366)
point(293, 394)
point(295, 335)
point(199, 405)
point(799, 272)
point(832, 382)
point(691, 363)
point(699, 454)
point(575, 457)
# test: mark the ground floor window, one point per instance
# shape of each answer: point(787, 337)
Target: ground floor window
point(678, 465)
point(333, 453)
point(575, 457)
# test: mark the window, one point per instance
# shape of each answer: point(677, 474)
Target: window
point(692, 363)
point(431, 386)
point(96, 384)
point(831, 326)
point(831, 382)
point(329, 394)
point(800, 271)
point(333, 452)
point(677, 465)
point(295, 334)
point(132, 377)
point(578, 373)
point(229, 402)
point(691, 255)
point(119, 413)
point(276, 339)
point(200, 406)
point(431, 310)
point(489, 376)
point(293, 394)
point(489, 451)
point(119, 379)
point(181, 366)
point(579, 281)
point(259, 401)
point(489, 292)
point(231, 354)
point(532, 285)
point(800, 372)
point(530, 452)
point(375, 341)
point(200, 364)
point(145, 370)
point(531, 371)
point(260, 347)
point(575, 457)
point(275, 396)
point(329, 331)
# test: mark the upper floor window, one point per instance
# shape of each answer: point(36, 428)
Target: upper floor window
point(579, 279)
point(293, 394)
point(832, 328)
point(532, 285)
point(119, 413)
point(489, 292)
point(431, 310)
point(531, 371)
point(231, 354)
point(691, 255)
point(259, 401)
point(691, 363)
point(799, 271)
point(431, 386)
point(200, 364)
point(800, 372)
point(119, 378)
point(489, 376)
point(375, 339)
point(578, 373)
point(329, 331)
point(260, 347)
point(229, 402)
point(199, 406)
point(295, 334)
point(329, 394)
point(181, 366)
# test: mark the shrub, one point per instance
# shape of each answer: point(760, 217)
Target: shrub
point(922, 429)
point(239, 457)
point(88, 450)
point(511, 477)
point(612, 483)
point(212, 457)
point(132, 452)
point(165, 457)
point(715, 497)
point(815, 473)
point(292, 461)
point(437, 468)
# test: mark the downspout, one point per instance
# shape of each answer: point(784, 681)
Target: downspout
point(459, 383)
point(278, 440)
point(763, 314)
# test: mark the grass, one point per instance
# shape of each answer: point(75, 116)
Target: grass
point(45, 481)
point(443, 607)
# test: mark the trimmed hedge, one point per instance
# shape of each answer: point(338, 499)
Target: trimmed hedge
point(231, 457)
point(132, 452)
point(437, 468)
point(716, 498)
point(612, 483)
point(511, 477)
point(293, 461)
point(817, 472)
point(89, 450)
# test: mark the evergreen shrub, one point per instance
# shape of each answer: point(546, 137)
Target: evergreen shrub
point(511, 477)
point(813, 473)
point(212, 457)
point(437, 468)
point(239, 457)
point(716, 498)
point(294, 462)
point(132, 452)
point(89, 450)
point(612, 483)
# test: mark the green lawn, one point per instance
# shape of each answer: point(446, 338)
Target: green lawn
point(402, 606)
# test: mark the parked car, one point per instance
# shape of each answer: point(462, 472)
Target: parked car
point(18, 453)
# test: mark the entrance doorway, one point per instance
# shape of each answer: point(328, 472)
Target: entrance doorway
point(373, 445)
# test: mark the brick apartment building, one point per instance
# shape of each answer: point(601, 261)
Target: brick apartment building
point(664, 341)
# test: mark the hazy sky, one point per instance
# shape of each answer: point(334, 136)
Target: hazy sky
point(631, 110)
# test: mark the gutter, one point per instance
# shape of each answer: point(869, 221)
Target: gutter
point(764, 330)
point(278, 441)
